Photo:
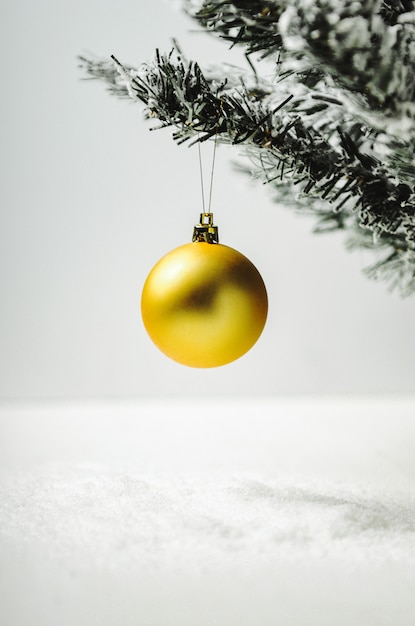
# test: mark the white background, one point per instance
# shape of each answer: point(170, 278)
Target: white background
point(90, 200)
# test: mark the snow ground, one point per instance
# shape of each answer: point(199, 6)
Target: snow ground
point(208, 513)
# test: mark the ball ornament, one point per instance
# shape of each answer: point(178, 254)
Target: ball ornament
point(204, 304)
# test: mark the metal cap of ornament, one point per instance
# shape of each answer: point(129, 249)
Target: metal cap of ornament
point(205, 230)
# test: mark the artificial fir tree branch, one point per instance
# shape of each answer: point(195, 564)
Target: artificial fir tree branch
point(366, 46)
point(102, 69)
point(307, 132)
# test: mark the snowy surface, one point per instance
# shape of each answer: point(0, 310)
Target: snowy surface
point(204, 513)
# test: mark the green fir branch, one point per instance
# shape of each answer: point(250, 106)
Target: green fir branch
point(365, 46)
point(336, 169)
point(313, 133)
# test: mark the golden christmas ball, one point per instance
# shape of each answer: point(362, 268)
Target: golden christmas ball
point(204, 304)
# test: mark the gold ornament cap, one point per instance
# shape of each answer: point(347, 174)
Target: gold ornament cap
point(205, 230)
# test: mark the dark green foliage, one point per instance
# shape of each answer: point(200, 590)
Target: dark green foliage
point(335, 127)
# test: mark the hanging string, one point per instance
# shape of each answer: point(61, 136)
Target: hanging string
point(201, 173)
point(213, 169)
point(213, 164)
point(214, 156)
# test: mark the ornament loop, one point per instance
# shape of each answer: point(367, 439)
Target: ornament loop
point(205, 230)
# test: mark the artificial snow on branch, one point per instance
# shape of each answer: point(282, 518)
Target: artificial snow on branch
point(367, 46)
point(335, 126)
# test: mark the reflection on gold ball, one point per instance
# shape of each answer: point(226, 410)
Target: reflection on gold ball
point(204, 304)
